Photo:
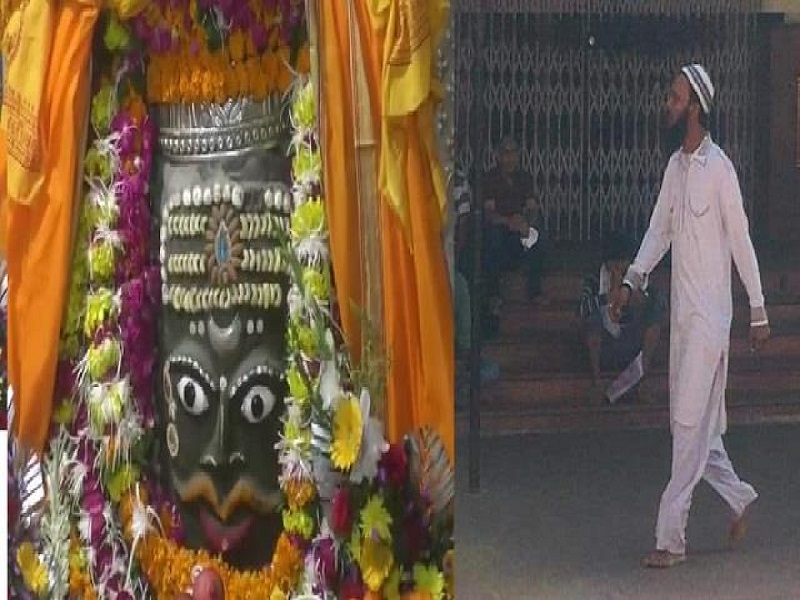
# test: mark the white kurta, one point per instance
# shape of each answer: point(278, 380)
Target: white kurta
point(700, 215)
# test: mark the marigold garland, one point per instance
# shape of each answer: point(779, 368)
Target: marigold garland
point(168, 569)
point(205, 51)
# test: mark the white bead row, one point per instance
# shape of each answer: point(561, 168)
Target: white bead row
point(255, 226)
point(186, 225)
point(278, 199)
point(192, 299)
point(264, 260)
point(208, 195)
point(186, 264)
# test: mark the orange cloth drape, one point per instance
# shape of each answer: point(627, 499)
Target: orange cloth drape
point(418, 316)
point(38, 229)
point(339, 166)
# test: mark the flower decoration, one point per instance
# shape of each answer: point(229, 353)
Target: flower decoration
point(211, 50)
point(346, 433)
point(362, 518)
point(375, 534)
point(34, 573)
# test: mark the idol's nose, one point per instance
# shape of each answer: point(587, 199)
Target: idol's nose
point(220, 452)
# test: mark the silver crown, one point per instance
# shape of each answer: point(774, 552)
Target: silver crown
point(192, 130)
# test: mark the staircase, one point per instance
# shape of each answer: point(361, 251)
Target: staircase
point(545, 382)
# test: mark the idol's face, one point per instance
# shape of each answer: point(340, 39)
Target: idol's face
point(222, 348)
point(224, 399)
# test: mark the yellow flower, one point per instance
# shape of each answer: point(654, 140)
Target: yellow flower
point(298, 522)
point(277, 594)
point(346, 433)
point(99, 307)
point(375, 519)
point(316, 283)
point(102, 358)
point(127, 9)
point(304, 111)
point(101, 261)
point(308, 218)
point(64, 412)
point(429, 579)
point(391, 591)
point(297, 385)
point(121, 481)
point(376, 561)
point(307, 341)
point(34, 573)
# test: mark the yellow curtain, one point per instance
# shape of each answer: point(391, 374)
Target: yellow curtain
point(38, 208)
point(417, 309)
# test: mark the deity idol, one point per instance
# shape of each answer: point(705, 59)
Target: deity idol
point(224, 203)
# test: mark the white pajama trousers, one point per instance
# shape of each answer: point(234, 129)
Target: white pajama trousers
point(698, 453)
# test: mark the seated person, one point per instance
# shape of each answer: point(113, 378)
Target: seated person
point(512, 215)
point(625, 348)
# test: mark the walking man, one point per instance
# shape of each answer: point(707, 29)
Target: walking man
point(700, 215)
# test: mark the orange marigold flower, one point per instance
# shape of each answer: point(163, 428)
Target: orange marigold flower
point(284, 74)
point(304, 59)
point(231, 83)
point(269, 66)
point(258, 82)
point(299, 492)
point(236, 45)
point(242, 80)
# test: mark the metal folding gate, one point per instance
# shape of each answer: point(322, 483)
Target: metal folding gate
point(581, 85)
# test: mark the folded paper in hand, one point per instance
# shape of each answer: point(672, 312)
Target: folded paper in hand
point(531, 239)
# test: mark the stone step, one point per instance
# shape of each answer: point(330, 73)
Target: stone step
point(769, 409)
point(520, 321)
point(562, 390)
point(547, 351)
point(545, 383)
point(566, 286)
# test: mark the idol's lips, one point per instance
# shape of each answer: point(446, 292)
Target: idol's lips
point(224, 538)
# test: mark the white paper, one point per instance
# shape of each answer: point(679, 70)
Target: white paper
point(530, 240)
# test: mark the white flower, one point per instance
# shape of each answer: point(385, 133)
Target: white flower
point(77, 475)
point(129, 431)
point(85, 526)
point(294, 299)
point(325, 476)
point(143, 518)
point(294, 462)
point(312, 250)
point(373, 444)
point(329, 388)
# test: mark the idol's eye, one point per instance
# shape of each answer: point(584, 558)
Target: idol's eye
point(192, 395)
point(258, 403)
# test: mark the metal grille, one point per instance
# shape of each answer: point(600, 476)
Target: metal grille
point(582, 92)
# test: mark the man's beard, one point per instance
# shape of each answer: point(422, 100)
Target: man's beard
point(673, 135)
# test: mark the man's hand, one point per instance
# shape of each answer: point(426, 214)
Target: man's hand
point(759, 334)
point(619, 300)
